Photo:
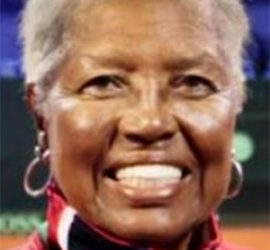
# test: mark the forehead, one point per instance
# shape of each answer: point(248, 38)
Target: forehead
point(141, 11)
point(140, 17)
point(143, 29)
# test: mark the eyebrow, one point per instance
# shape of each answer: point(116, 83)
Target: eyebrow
point(179, 63)
point(188, 62)
point(112, 62)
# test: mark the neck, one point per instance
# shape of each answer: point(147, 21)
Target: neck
point(182, 244)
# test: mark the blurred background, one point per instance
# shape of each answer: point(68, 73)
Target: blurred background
point(245, 219)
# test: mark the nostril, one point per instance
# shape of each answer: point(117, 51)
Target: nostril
point(166, 136)
point(146, 140)
point(136, 139)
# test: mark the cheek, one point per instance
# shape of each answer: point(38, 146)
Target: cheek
point(78, 137)
point(215, 183)
point(208, 129)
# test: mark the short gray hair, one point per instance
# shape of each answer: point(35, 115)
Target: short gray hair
point(42, 34)
point(45, 24)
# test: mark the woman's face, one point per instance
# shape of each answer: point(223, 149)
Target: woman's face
point(140, 118)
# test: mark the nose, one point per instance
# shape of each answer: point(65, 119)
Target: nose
point(148, 125)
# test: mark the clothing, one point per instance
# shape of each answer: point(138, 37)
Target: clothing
point(66, 231)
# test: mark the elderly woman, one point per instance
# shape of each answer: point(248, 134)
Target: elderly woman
point(135, 104)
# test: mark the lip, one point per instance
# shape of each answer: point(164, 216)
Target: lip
point(147, 196)
point(159, 195)
point(145, 158)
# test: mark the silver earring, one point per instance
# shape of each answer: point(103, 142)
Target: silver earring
point(40, 147)
point(42, 155)
point(237, 179)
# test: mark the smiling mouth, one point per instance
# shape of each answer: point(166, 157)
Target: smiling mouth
point(147, 183)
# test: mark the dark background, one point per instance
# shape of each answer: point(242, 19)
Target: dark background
point(18, 132)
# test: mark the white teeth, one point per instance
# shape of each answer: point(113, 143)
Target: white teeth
point(147, 183)
point(153, 172)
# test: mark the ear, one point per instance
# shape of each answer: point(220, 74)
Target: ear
point(242, 101)
point(34, 107)
point(241, 97)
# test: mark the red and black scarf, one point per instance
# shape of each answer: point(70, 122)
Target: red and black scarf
point(67, 231)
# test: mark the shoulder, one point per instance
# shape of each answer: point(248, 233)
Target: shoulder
point(226, 246)
point(33, 243)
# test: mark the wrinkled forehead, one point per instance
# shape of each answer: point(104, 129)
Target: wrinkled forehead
point(139, 26)
point(115, 13)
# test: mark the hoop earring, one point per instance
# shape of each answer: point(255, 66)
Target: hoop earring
point(237, 179)
point(41, 155)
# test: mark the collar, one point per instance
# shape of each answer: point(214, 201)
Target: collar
point(67, 231)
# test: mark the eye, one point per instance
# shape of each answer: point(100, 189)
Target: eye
point(193, 86)
point(104, 86)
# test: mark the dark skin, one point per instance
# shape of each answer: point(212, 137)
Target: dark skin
point(147, 89)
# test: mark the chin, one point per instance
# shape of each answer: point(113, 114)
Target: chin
point(151, 227)
point(154, 234)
